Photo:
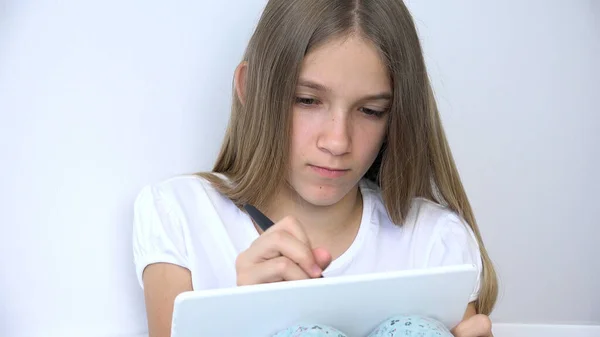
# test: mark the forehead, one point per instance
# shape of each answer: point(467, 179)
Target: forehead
point(350, 65)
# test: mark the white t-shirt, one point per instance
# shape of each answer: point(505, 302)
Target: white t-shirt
point(185, 221)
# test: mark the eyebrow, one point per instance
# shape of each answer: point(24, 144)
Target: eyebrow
point(319, 87)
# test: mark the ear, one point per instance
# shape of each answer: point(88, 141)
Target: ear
point(240, 81)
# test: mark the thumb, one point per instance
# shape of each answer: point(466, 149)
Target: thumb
point(322, 257)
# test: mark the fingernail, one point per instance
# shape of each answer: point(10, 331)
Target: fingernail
point(316, 270)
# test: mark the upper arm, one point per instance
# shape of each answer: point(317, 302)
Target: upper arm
point(160, 256)
point(162, 283)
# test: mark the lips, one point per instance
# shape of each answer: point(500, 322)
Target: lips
point(329, 172)
point(329, 168)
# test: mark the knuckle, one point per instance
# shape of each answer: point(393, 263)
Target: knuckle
point(290, 221)
point(308, 257)
point(239, 261)
point(283, 265)
point(278, 236)
point(287, 219)
point(242, 279)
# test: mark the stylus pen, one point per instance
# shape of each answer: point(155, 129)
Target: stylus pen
point(261, 220)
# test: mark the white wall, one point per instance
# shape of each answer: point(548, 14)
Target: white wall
point(518, 83)
point(99, 98)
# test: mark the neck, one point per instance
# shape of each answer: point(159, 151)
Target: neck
point(333, 227)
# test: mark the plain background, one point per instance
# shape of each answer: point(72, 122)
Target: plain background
point(99, 98)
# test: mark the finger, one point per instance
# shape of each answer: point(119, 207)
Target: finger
point(322, 257)
point(292, 226)
point(474, 326)
point(274, 270)
point(282, 243)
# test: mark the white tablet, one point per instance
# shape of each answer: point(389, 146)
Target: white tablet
point(354, 305)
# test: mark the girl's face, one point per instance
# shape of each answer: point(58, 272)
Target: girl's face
point(339, 119)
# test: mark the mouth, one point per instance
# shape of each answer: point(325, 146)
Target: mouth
point(329, 172)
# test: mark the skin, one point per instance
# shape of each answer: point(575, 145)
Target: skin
point(335, 124)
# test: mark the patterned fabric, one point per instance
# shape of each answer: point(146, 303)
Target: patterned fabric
point(317, 330)
point(414, 326)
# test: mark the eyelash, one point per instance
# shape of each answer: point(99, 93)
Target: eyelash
point(369, 112)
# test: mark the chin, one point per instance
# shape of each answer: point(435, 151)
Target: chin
point(322, 195)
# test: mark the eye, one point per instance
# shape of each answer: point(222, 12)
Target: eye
point(306, 101)
point(374, 113)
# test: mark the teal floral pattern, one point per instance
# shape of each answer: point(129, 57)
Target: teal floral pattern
point(398, 326)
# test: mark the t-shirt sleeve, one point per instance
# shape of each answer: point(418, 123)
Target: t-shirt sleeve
point(454, 243)
point(157, 232)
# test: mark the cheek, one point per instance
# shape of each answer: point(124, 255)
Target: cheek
point(376, 135)
point(369, 152)
point(302, 134)
point(304, 121)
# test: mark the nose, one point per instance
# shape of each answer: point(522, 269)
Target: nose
point(335, 136)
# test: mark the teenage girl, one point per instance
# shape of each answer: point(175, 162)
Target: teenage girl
point(335, 135)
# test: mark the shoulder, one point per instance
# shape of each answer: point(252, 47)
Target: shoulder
point(431, 235)
point(432, 220)
point(167, 213)
point(427, 222)
point(441, 237)
point(182, 193)
point(178, 205)
point(178, 186)
point(425, 218)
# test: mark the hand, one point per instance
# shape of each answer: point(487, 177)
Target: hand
point(282, 253)
point(474, 326)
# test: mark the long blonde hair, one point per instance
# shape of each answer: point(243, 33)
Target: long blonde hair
point(415, 160)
